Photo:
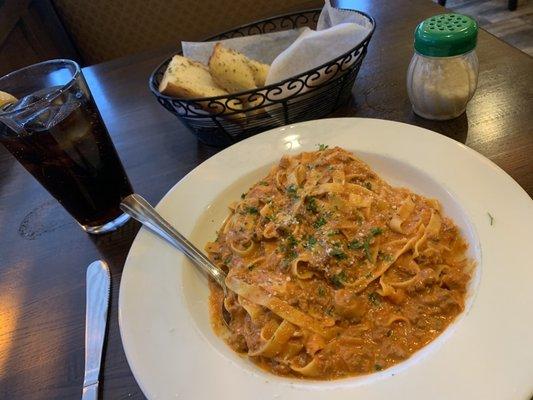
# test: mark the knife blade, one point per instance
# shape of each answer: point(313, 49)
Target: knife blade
point(97, 301)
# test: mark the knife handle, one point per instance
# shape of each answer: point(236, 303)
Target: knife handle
point(90, 392)
point(98, 286)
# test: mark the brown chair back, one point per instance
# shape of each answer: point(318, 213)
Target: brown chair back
point(103, 29)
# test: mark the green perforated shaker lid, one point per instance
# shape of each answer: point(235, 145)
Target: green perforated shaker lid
point(446, 35)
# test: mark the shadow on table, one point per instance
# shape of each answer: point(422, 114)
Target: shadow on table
point(113, 247)
point(368, 107)
point(8, 162)
point(456, 129)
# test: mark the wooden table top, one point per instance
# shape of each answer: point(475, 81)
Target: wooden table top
point(44, 254)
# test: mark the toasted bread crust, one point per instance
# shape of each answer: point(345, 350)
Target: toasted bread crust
point(235, 72)
point(188, 79)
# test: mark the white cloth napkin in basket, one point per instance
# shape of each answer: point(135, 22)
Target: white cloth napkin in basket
point(295, 51)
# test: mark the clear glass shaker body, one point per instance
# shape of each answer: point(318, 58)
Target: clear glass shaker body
point(440, 87)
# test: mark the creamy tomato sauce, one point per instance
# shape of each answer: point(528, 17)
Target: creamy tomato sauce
point(333, 272)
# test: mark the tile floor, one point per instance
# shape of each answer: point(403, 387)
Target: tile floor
point(514, 27)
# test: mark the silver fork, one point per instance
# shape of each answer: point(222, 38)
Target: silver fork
point(138, 208)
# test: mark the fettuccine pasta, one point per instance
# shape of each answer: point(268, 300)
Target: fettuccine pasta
point(332, 272)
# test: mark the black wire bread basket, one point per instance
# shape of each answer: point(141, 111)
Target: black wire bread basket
point(221, 121)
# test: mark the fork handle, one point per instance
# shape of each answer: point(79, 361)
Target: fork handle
point(138, 208)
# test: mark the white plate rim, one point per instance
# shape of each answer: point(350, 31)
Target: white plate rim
point(518, 194)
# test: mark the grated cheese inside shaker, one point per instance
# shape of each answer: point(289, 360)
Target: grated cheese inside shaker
point(442, 75)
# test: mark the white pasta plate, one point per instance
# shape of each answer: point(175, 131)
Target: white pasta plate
point(486, 353)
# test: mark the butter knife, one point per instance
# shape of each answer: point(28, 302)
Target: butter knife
point(98, 286)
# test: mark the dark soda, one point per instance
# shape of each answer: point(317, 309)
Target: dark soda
point(66, 147)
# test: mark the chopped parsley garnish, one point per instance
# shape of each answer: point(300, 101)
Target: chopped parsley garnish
point(378, 367)
point(491, 219)
point(321, 291)
point(288, 248)
point(252, 210)
point(311, 241)
point(374, 298)
point(264, 183)
point(311, 205)
point(291, 255)
point(376, 231)
point(339, 279)
point(385, 256)
point(322, 147)
point(292, 191)
point(334, 232)
point(365, 243)
point(270, 218)
point(291, 241)
point(338, 254)
point(321, 221)
point(366, 246)
point(355, 245)
point(368, 185)
point(227, 260)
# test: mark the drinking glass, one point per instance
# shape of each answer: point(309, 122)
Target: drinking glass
point(55, 131)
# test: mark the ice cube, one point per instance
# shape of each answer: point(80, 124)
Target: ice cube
point(62, 112)
point(46, 94)
point(43, 109)
point(38, 120)
point(47, 117)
